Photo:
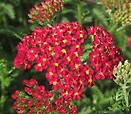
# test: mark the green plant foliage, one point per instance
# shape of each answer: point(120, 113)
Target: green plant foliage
point(5, 81)
point(100, 15)
point(13, 31)
point(75, 10)
point(122, 96)
point(6, 11)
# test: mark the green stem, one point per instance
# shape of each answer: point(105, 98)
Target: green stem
point(4, 21)
point(2, 95)
point(125, 95)
point(79, 13)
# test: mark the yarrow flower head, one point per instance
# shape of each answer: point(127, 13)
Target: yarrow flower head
point(45, 12)
point(104, 55)
point(57, 51)
point(35, 99)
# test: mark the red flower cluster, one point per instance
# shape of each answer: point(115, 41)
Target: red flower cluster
point(57, 50)
point(45, 11)
point(37, 100)
point(104, 55)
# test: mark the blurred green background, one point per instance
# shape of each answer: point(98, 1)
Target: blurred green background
point(14, 25)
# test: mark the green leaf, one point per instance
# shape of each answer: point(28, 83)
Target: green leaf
point(10, 11)
point(17, 32)
point(7, 10)
point(87, 19)
point(7, 81)
point(67, 11)
point(99, 14)
point(86, 111)
point(98, 95)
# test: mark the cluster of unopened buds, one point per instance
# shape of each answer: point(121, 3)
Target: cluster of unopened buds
point(57, 50)
point(122, 74)
point(119, 10)
point(113, 3)
point(44, 12)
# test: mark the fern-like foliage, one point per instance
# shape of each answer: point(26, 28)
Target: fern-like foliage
point(122, 96)
point(6, 11)
point(76, 10)
point(5, 81)
point(100, 16)
point(13, 31)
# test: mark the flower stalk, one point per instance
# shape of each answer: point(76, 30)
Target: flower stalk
point(126, 94)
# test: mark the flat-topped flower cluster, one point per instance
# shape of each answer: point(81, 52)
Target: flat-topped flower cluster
point(57, 51)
